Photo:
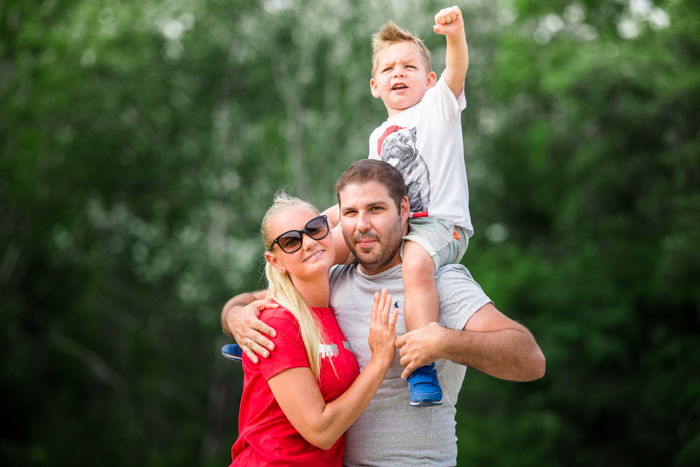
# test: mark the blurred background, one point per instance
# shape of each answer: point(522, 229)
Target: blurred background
point(141, 142)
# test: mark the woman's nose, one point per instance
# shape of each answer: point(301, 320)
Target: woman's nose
point(308, 242)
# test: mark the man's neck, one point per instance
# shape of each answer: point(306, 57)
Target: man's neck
point(372, 270)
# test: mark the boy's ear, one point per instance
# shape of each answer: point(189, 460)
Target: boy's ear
point(374, 88)
point(432, 79)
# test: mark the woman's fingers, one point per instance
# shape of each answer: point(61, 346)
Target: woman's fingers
point(394, 317)
point(385, 309)
point(375, 308)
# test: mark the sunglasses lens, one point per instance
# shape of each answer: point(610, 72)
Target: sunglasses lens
point(317, 228)
point(290, 241)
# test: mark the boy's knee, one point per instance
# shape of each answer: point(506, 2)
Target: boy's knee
point(418, 268)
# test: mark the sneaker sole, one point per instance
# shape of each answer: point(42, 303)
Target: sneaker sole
point(424, 403)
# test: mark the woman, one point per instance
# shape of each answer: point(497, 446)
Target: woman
point(297, 403)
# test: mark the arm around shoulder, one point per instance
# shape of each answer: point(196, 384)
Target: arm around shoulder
point(239, 319)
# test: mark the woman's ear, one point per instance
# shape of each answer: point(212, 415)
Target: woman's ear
point(274, 262)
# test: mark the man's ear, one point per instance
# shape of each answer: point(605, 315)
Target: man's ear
point(405, 210)
point(374, 88)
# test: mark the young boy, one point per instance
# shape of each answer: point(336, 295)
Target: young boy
point(422, 137)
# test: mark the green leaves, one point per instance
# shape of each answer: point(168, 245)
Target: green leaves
point(141, 142)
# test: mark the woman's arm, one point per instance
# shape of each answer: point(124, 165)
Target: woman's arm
point(299, 396)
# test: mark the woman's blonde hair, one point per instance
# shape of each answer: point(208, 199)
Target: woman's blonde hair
point(282, 289)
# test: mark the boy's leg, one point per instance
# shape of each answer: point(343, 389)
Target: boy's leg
point(421, 307)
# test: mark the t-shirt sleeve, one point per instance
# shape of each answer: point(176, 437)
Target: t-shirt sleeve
point(289, 349)
point(460, 296)
point(441, 99)
point(373, 139)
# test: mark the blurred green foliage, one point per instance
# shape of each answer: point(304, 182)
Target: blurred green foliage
point(140, 143)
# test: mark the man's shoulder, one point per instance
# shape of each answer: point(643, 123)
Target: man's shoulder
point(459, 293)
point(451, 272)
point(455, 283)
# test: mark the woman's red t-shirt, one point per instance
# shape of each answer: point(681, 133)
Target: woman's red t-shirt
point(265, 435)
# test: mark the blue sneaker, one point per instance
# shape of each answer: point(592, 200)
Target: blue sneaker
point(425, 387)
point(232, 352)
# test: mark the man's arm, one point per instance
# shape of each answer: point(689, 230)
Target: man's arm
point(239, 319)
point(490, 342)
point(342, 252)
point(333, 215)
point(449, 22)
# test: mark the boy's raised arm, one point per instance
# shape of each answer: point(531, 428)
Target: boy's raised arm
point(449, 23)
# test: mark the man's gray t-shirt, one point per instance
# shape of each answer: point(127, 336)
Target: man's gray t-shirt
point(390, 432)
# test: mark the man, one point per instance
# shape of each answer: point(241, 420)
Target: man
point(374, 213)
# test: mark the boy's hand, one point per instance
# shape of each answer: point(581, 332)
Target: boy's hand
point(448, 21)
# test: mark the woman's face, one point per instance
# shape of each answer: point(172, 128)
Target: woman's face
point(313, 259)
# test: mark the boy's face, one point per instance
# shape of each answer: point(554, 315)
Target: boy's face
point(401, 77)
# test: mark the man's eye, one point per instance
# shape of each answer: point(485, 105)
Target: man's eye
point(376, 208)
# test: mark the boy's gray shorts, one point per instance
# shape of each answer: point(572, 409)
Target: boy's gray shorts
point(437, 236)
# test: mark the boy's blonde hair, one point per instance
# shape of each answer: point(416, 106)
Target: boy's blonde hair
point(390, 34)
point(282, 289)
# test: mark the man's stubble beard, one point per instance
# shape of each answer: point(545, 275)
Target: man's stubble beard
point(387, 252)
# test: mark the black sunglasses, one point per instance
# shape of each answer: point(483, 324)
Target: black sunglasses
point(290, 241)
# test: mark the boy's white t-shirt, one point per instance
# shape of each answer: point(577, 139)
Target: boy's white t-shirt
point(425, 144)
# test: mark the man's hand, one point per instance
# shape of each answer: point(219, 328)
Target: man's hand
point(244, 326)
point(448, 21)
point(419, 347)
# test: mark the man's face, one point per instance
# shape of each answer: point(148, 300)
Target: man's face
point(372, 225)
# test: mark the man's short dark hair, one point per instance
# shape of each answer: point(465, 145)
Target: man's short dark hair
point(373, 170)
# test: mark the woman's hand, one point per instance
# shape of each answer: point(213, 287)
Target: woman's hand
point(382, 329)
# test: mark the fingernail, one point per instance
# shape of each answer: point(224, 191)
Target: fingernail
point(270, 346)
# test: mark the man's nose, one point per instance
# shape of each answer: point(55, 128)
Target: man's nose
point(363, 223)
